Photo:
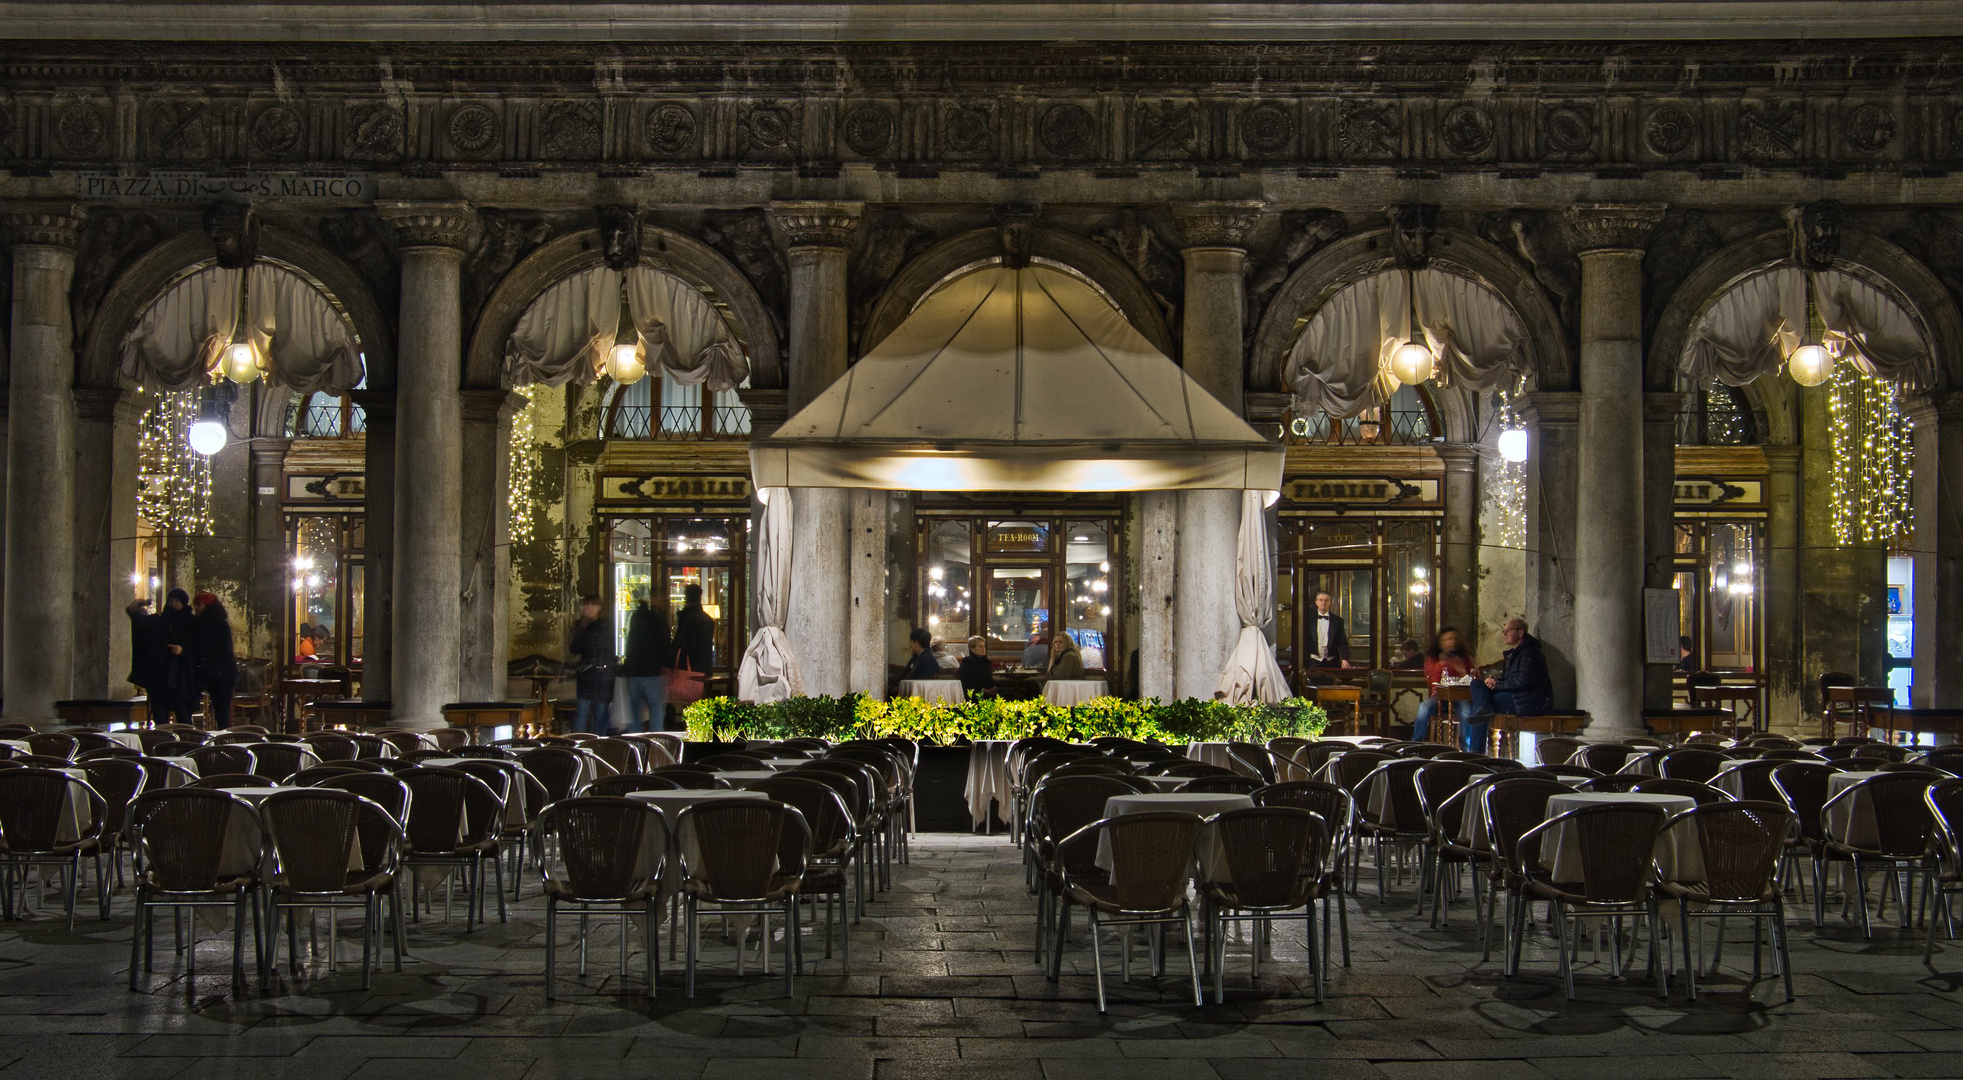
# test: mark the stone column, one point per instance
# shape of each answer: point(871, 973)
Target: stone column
point(1551, 418)
point(1938, 589)
point(378, 551)
point(485, 572)
point(1785, 679)
point(1158, 549)
point(268, 583)
point(1608, 610)
point(1659, 522)
point(105, 537)
point(818, 622)
point(1205, 624)
point(1456, 590)
point(427, 637)
point(867, 631)
point(40, 615)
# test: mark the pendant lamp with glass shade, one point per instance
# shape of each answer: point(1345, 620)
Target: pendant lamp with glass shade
point(1810, 364)
point(240, 360)
point(1412, 362)
point(624, 363)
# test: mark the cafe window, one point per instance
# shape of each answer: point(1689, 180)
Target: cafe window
point(326, 588)
point(658, 556)
point(1381, 577)
point(1718, 568)
point(1012, 580)
point(326, 416)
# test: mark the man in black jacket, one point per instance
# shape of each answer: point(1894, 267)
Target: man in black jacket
point(592, 643)
point(1522, 687)
point(1329, 639)
point(649, 656)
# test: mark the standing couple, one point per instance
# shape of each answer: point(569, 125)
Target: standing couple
point(651, 654)
point(181, 653)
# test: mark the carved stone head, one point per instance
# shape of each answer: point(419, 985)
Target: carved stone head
point(234, 232)
point(620, 236)
point(1016, 222)
point(1816, 233)
point(1411, 227)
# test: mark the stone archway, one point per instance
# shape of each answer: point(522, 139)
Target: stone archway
point(1083, 256)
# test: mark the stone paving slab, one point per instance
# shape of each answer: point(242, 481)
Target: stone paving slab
point(944, 984)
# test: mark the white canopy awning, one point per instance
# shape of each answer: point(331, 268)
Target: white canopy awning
point(1012, 379)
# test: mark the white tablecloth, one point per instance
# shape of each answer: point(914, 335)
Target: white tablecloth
point(1852, 822)
point(671, 804)
point(739, 777)
point(782, 763)
point(1678, 854)
point(948, 690)
point(177, 779)
point(1067, 692)
point(20, 745)
point(1204, 804)
point(988, 779)
point(1217, 753)
point(128, 738)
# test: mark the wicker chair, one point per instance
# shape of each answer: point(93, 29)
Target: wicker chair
point(87, 739)
point(1317, 754)
point(1902, 828)
point(321, 858)
point(1510, 806)
point(1253, 759)
point(1947, 758)
point(278, 761)
point(1270, 860)
point(385, 791)
point(1059, 807)
point(736, 859)
point(1750, 780)
point(195, 848)
point(1349, 769)
point(875, 825)
point(1604, 758)
point(454, 822)
point(619, 787)
point(558, 768)
point(1945, 801)
point(333, 746)
point(1702, 794)
point(856, 797)
point(1612, 782)
point(689, 776)
point(834, 841)
point(1151, 858)
point(53, 744)
point(608, 858)
point(1401, 820)
point(1881, 752)
point(1616, 843)
point(897, 773)
point(621, 755)
point(1442, 789)
point(222, 759)
point(159, 774)
point(1222, 785)
point(1337, 808)
point(520, 798)
point(35, 805)
point(1741, 844)
point(118, 780)
point(405, 742)
point(1691, 763)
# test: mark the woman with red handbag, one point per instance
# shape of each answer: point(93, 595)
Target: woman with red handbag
point(695, 650)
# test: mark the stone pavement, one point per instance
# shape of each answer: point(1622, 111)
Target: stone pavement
point(944, 984)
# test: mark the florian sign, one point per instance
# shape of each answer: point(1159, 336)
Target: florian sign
point(200, 187)
point(1361, 491)
point(687, 490)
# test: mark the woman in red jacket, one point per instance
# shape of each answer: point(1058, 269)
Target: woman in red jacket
point(1446, 657)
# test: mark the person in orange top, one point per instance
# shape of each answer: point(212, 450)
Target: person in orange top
point(1446, 657)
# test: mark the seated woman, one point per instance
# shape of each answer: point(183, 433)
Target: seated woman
point(1065, 661)
point(977, 675)
point(1446, 657)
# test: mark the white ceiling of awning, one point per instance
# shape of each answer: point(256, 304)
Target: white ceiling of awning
point(1016, 379)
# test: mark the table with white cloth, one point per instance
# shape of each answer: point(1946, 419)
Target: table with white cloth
point(131, 739)
point(683, 848)
point(782, 764)
point(988, 781)
point(1852, 821)
point(1204, 804)
point(1068, 692)
point(1641, 764)
point(1211, 753)
point(20, 745)
point(1679, 856)
point(77, 813)
point(176, 779)
point(237, 847)
point(947, 690)
point(745, 777)
point(1472, 821)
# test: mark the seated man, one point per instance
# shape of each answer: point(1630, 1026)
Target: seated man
point(976, 673)
point(1037, 655)
point(923, 665)
point(1522, 687)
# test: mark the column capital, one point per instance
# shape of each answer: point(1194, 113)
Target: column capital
point(768, 408)
point(1458, 457)
point(491, 406)
point(1662, 408)
point(1548, 407)
point(430, 224)
point(1612, 226)
point(1782, 458)
point(378, 405)
point(1936, 408)
point(55, 225)
point(1217, 224)
point(809, 224)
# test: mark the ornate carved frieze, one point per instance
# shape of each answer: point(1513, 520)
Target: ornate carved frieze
point(1217, 224)
point(817, 224)
point(432, 224)
point(44, 226)
point(1612, 226)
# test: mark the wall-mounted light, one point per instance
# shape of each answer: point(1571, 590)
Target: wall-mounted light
point(1513, 444)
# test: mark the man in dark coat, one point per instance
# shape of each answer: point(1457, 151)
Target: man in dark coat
point(649, 656)
point(1522, 687)
point(592, 644)
point(174, 695)
point(695, 634)
point(149, 655)
point(1329, 639)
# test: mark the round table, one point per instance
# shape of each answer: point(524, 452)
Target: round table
point(1852, 821)
point(1204, 804)
point(1068, 692)
point(742, 777)
point(1679, 857)
point(944, 690)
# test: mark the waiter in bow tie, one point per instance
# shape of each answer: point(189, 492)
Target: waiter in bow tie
point(1329, 642)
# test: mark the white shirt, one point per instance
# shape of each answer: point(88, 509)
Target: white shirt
point(1322, 625)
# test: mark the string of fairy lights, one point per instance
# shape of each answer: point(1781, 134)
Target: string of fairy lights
point(173, 485)
point(1510, 478)
point(523, 483)
point(1872, 459)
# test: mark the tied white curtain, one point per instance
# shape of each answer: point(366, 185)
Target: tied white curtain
point(307, 343)
point(1252, 674)
point(1751, 329)
point(769, 671)
point(566, 333)
point(1341, 363)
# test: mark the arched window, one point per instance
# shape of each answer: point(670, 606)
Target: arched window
point(632, 412)
point(1716, 416)
point(325, 416)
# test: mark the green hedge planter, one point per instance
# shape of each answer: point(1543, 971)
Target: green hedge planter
point(856, 716)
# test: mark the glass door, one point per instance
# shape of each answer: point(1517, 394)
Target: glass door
point(326, 593)
point(658, 557)
point(1378, 575)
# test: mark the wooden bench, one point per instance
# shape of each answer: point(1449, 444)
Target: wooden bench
point(1680, 722)
point(354, 713)
point(1942, 723)
point(474, 716)
point(1504, 736)
point(104, 711)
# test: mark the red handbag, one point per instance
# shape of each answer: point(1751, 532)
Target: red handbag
point(685, 686)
